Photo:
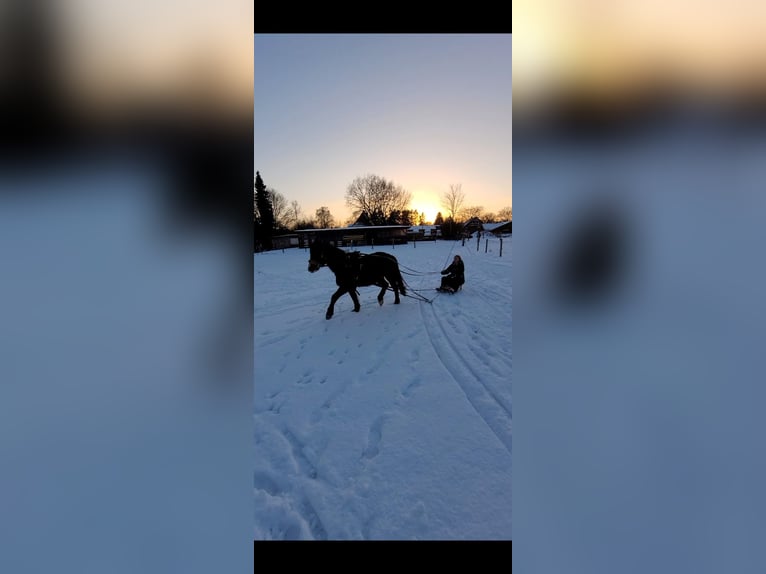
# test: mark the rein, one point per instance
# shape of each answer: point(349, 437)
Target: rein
point(415, 272)
point(417, 293)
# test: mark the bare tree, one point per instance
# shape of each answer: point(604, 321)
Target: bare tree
point(505, 214)
point(373, 194)
point(453, 199)
point(294, 213)
point(488, 217)
point(323, 218)
point(472, 211)
point(279, 208)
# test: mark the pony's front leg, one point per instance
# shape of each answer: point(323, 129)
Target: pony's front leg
point(333, 299)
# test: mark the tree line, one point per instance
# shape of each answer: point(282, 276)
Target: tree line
point(373, 200)
point(273, 215)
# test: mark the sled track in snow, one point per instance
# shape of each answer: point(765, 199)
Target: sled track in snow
point(483, 400)
point(467, 365)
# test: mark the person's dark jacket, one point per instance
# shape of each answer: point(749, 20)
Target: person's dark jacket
point(455, 274)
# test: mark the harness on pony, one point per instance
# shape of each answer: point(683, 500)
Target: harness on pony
point(353, 265)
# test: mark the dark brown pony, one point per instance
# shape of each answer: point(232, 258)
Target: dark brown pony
point(354, 270)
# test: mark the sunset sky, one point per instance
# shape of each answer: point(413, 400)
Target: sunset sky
point(423, 110)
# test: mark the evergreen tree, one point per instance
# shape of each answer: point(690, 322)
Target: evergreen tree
point(263, 202)
point(377, 217)
point(451, 229)
point(439, 219)
point(394, 218)
point(363, 219)
point(257, 244)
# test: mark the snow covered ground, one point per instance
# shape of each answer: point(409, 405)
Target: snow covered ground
point(390, 423)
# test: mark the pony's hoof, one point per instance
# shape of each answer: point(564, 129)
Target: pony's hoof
point(328, 316)
point(356, 309)
point(380, 301)
point(397, 302)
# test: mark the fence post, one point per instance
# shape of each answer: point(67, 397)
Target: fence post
point(477, 241)
point(486, 245)
point(501, 247)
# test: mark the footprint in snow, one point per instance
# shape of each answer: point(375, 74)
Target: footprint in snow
point(411, 386)
point(374, 438)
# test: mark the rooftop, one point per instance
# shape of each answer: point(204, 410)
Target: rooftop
point(493, 226)
point(354, 228)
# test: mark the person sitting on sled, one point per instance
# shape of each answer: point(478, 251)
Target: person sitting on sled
point(455, 276)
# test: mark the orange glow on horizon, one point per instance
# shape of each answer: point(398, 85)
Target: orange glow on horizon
point(426, 201)
point(428, 209)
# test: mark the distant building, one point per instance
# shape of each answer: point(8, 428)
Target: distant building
point(498, 229)
point(285, 241)
point(355, 235)
point(473, 224)
point(422, 232)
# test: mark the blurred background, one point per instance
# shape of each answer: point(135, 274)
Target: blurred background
point(125, 287)
point(639, 173)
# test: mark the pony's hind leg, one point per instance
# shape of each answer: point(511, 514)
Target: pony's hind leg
point(383, 288)
point(395, 288)
point(355, 299)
